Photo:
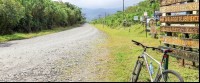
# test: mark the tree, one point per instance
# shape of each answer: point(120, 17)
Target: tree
point(11, 11)
point(36, 15)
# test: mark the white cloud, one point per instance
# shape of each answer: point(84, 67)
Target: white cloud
point(94, 4)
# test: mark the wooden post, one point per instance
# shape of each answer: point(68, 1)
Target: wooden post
point(166, 64)
point(103, 24)
point(183, 62)
point(129, 28)
point(194, 12)
point(167, 45)
point(143, 24)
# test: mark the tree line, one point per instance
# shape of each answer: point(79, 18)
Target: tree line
point(35, 15)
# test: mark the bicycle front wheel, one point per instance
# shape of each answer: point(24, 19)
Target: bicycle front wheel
point(170, 76)
point(136, 71)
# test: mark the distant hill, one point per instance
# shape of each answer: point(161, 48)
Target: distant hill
point(94, 13)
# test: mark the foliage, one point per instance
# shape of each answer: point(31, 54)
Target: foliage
point(11, 12)
point(17, 36)
point(36, 15)
point(161, 33)
point(159, 23)
point(158, 28)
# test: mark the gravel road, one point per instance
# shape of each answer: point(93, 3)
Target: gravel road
point(67, 56)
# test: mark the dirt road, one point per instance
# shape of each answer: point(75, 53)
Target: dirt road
point(64, 56)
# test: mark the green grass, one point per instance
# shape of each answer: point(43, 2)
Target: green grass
point(18, 36)
point(124, 55)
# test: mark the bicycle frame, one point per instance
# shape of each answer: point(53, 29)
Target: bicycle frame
point(147, 65)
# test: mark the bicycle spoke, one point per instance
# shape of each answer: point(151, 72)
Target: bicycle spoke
point(169, 77)
point(136, 72)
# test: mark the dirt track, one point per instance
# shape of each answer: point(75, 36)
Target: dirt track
point(65, 56)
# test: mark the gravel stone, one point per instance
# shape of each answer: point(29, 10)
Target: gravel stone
point(67, 56)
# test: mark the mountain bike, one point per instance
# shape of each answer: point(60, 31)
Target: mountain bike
point(165, 76)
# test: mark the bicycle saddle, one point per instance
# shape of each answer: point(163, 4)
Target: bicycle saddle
point(167, 50)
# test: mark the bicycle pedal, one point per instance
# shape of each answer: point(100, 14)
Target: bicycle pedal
point(134, 74)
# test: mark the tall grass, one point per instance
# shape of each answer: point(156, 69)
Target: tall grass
point(125, 54)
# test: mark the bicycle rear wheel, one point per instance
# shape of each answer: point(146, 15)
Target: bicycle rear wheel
point(170, 76)
point(136, 71)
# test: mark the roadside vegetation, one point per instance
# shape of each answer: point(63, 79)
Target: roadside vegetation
point(124, 55)
point(27, 16)
point(18, 36)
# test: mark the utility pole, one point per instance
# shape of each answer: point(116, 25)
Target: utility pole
point(105, 16)
point(99, 16)
point(104, 21)
point(123, 9)
point(123, 12)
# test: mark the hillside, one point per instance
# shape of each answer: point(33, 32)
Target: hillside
point(116, 19)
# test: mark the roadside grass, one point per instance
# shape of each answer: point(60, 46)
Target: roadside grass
point(124, 55)
point(18, 36)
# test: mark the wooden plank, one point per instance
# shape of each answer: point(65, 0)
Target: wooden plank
point(168, 2)
point(186, 42)
point(191, 56)
point(180, 29)
point(194, 18)
point(152, 23)
point(194, 6)
point(154, 31)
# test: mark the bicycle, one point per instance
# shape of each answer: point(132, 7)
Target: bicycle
point(164, 73)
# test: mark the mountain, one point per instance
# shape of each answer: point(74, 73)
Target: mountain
point(94, 13)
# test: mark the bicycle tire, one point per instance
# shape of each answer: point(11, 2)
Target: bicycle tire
point(167, 72)
point(137, 66)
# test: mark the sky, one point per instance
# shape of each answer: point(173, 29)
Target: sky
point(106, 4)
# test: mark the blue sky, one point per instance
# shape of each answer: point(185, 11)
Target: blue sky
point(107, 4)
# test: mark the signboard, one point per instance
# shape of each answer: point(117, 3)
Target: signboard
point(179, 13)
point(152, 23)
point(142, 18)
point(145, 13)
point(182, 18)
point(157, 15)
point(124, 20)
point(194, 6)
point(152, 15)
point(148, 20)
point(135, 17)
point(168, 2)
point(180, 29)
point(192, 56)
point(153, 30)
point(186, 42)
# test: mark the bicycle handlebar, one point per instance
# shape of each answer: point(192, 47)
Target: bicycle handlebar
point(153, 48)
